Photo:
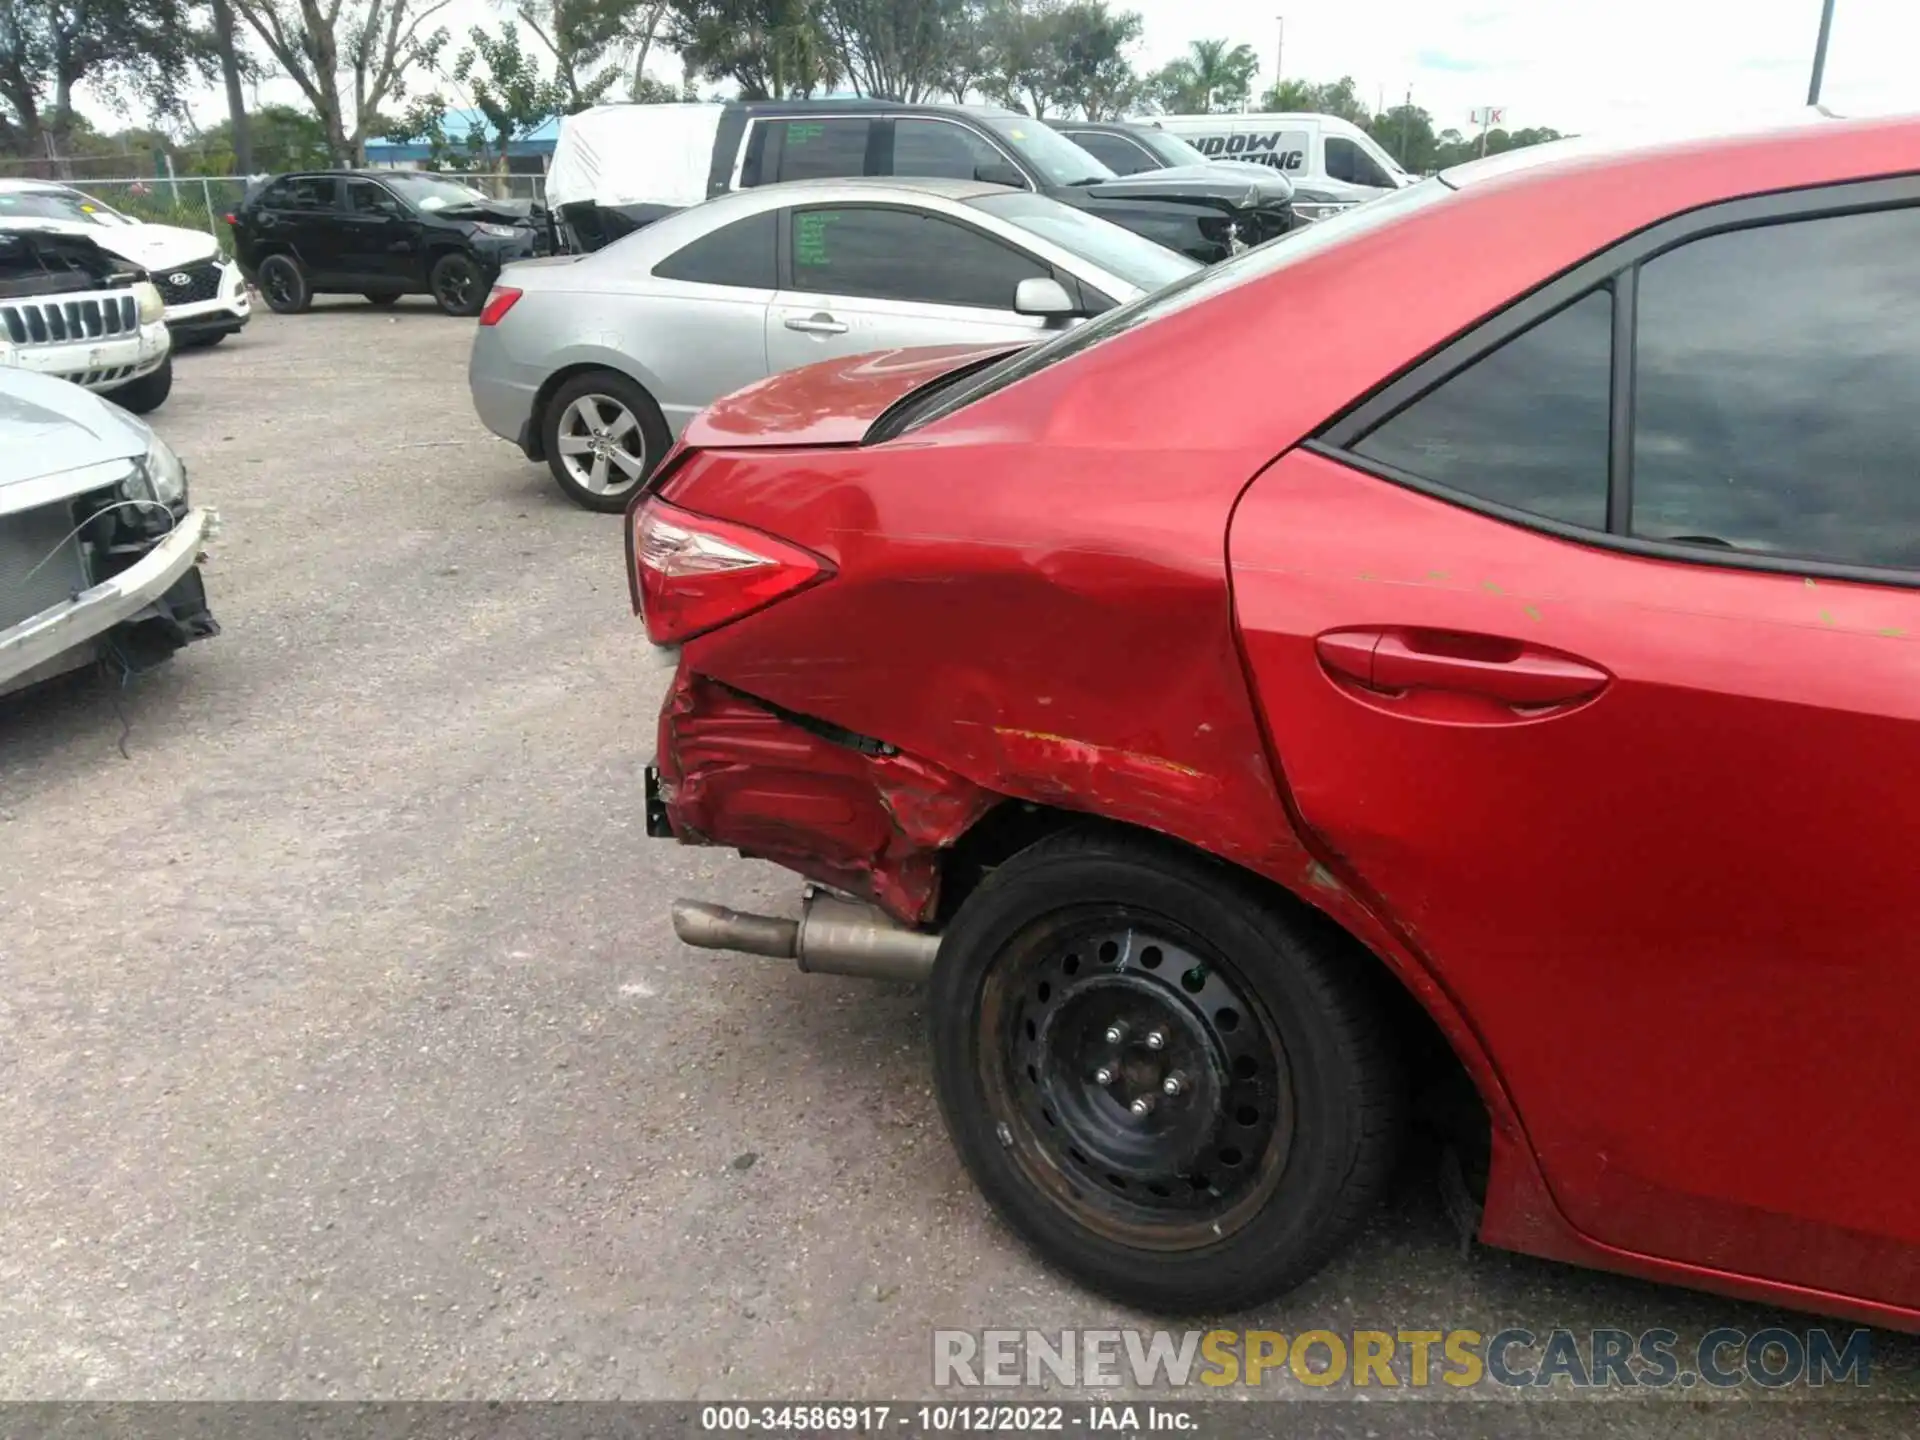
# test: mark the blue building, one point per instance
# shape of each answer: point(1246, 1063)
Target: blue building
point(525, 156)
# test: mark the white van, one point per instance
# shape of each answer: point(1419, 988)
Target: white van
point(1328, 156)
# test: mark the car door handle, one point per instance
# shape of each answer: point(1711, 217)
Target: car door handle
point(817, 325)
point(1491, 667)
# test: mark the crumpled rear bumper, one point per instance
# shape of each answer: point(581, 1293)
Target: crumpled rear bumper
point(845, 810)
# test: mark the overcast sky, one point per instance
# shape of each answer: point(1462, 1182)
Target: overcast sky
point(1584, 66)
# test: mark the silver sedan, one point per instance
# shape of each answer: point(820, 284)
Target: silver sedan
point(595, 362)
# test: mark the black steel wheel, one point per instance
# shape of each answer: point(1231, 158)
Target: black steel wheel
point(1174, 1088)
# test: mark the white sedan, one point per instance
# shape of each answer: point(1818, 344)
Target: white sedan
point(205, 295)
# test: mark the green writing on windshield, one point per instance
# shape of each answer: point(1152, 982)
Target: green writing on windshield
point(801, 134)
point(810, 237)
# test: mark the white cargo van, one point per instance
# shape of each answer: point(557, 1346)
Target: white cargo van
point(1323, 152)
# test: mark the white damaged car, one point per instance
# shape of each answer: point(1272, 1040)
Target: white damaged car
point(99, 545)
point(205, 295)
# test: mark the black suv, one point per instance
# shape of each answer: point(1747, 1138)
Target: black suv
point(381, 234)
point(1203, 211)
point(1129, 147)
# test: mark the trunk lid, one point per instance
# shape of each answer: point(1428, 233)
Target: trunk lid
point(833, 402)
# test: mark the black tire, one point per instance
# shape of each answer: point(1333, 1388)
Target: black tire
point(613, 395)
point(1240, 1184)
point(386, 300)
point(147, 393)
point(457, 284)
point(284, 285)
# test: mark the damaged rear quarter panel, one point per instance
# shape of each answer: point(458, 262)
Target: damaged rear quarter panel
point(998, 615)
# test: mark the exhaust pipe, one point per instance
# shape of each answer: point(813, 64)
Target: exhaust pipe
point(831, 937)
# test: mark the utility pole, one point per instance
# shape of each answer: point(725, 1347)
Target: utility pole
point(1820, 53)
point(1279, 49)
point(1406, 118)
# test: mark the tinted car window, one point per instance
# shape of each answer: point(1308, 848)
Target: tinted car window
point(366, 198)
point(1524, 426)
point(818, 149)
point(901, 255)
point(935, 147)
point(302, 192)
point(1776, 373)
point(1347, 161)
point(1133, 258)
point(743, 253)
point(1116, 152)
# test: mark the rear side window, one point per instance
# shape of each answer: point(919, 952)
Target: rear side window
point(301, 192)
point(743, 253)
point(1776, 377)
point(814, 149)
point(942, 148)
point(1116, 152)
point(1525, 426)
point(902, 255)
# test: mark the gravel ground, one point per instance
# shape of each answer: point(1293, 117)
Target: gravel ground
point(346, 1046)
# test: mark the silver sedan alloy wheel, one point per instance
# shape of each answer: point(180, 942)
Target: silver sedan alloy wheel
point(602, 445)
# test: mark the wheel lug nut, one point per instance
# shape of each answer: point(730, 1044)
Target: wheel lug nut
point(1142, 1106)
point(1156, 1041)
point(1116, 1032)
point(1103, 1076)
point(1173, 1084)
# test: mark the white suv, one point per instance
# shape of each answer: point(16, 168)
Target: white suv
point(205, 295)
point(71, 309)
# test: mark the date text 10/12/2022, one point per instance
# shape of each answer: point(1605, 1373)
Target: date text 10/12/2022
point(815, 1419)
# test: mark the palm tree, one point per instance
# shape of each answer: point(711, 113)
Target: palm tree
point(1213, 75)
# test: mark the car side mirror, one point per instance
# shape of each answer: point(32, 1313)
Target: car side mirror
point(1046, 297)
point(999, 172)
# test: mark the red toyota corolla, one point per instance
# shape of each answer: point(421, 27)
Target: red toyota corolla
point(1475, 641)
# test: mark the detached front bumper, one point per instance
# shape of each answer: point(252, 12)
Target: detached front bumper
point(163, 585)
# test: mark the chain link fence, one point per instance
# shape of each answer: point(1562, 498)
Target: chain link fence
point(203, 202)
point(198, 202)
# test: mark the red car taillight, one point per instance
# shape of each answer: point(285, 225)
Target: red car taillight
point(693, 573)
point(499, 301)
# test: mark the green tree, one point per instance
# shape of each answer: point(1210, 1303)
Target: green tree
point(283, 138)
point(894, 49)
point(1406, 133)
point(1341, 98)
point(348, 57)
point(1090, 46)
point(964, 60)
point(508, 89)
point(771, 49)
point(584, 36)
point(1454, 148)
point(142, 49)
point(1020, 66)
point(234, 65)
point(1214, 75)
